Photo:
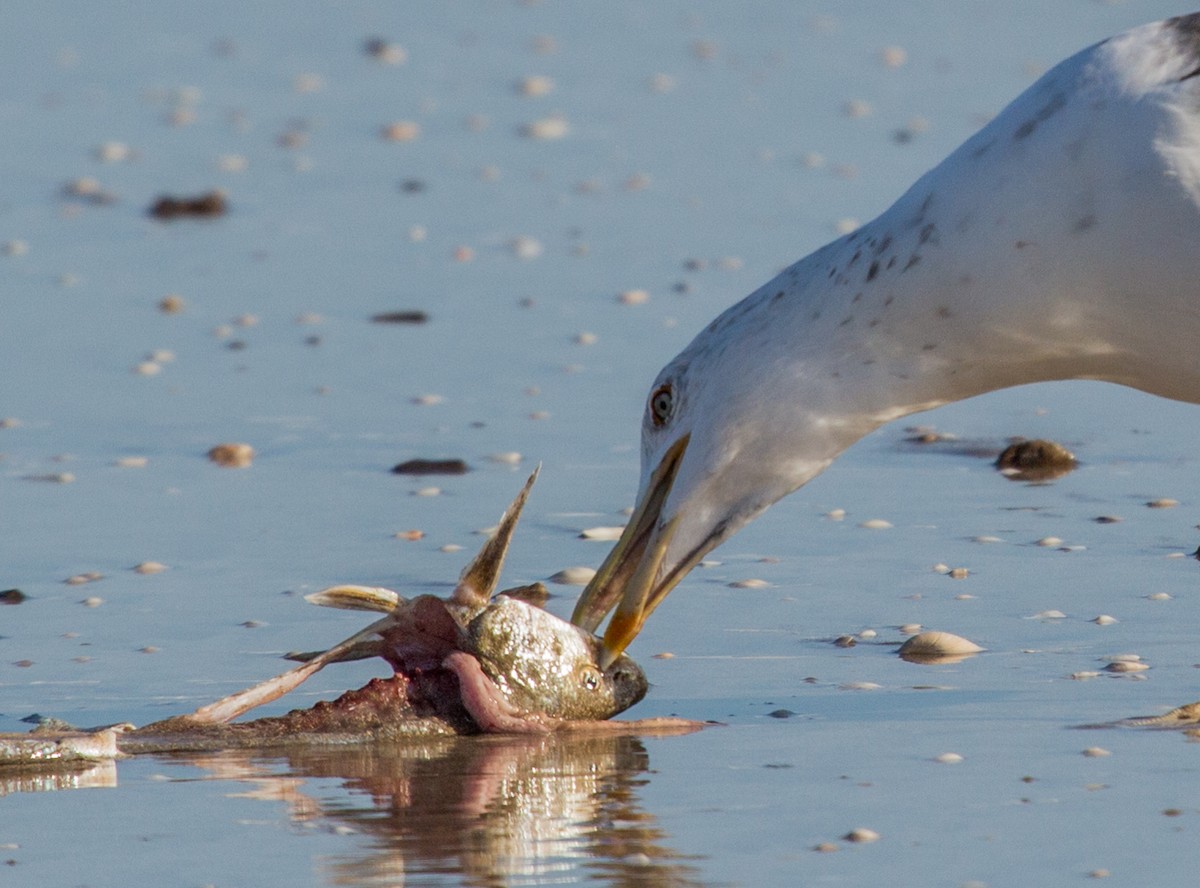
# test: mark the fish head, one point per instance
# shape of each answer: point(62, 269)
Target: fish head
point(545, 665)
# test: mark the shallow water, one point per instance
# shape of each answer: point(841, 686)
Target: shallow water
point(715, 164)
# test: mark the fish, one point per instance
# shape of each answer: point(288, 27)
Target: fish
point(478, 661)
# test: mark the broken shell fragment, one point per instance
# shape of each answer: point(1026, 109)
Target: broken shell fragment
point(937, 647)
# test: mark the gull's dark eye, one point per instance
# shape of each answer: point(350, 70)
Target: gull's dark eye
point(590, 679)
point(662, 402)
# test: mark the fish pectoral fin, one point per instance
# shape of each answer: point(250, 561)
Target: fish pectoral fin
point(479, 579)
point(368, 598)
point(363, 650)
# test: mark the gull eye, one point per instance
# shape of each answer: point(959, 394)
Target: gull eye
point(590, 679)
point(662, 402)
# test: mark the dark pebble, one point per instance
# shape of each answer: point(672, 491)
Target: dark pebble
point(431, 467)
point(211, 204)
point(1035, 460)
point(400, 317)
point(12, 596)
point(781, 713)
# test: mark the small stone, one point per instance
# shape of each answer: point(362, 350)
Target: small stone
point(909, 628)
point(845, 641)
point(207, 205)
point(232, 455)
point(861, 835)
point(400, 317)
point(836, 514)
point(1035, 460)
point(1099, 874)
point(430, 400)
point(1107, 519)
point(431, 467)
point(573, 576)
point(857, 108)
point(1159, 596)
point(147, 368)
point(12, 596)
point(252, 624)
point(149, 567)
point(148, 649)
point(986, 539)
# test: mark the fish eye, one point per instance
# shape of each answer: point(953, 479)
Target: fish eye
point(590, 679)
point(662, 402)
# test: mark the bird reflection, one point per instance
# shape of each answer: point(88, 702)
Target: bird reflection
point(496, 810)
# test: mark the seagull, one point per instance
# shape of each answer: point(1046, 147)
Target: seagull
point(1061, 241)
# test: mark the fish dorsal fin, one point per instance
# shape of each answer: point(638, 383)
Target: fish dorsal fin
point(479, 579)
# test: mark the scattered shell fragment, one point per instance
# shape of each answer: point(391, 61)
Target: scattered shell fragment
point(948, 758)
point(860, 686)
point(535, 86)
point(450, 548)
point(893, 56)
point(909, 628)
point(586, 338)
point(526, 247)
point(836, 514)
point(1159, 596)
point(429, 400)
point(857, 108)
point(862, 835)
point(751, 583)
point(1049, 615)
point(401, 131)
point(383, 51)
point(826, 847)
point(147, 368)
point(510, 458)
point(663, 655)
point(1036, 460)
point(573, 576)
point(633, 297)
point(1125, 666)
point(172, 303)
point(1049, 542)
point(411, 535)
point(958, 573)
point(986, 539)
point(232, 455)
point(1163, 503)
point(79, 579)
point(937, 647)
point(149, 567)
point(1104, 620)
point(1096, 752)
point(427, 491)
point(876, 524)
point(53, 477)
point(607, 534)
point(92, 601)
point(546, 128)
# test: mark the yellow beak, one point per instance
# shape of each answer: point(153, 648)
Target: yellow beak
point(629, 577)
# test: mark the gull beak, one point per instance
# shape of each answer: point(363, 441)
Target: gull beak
point(629, 579)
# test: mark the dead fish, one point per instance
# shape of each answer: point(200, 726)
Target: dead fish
point(474, 662)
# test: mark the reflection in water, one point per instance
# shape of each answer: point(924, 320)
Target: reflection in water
point(498, 810)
